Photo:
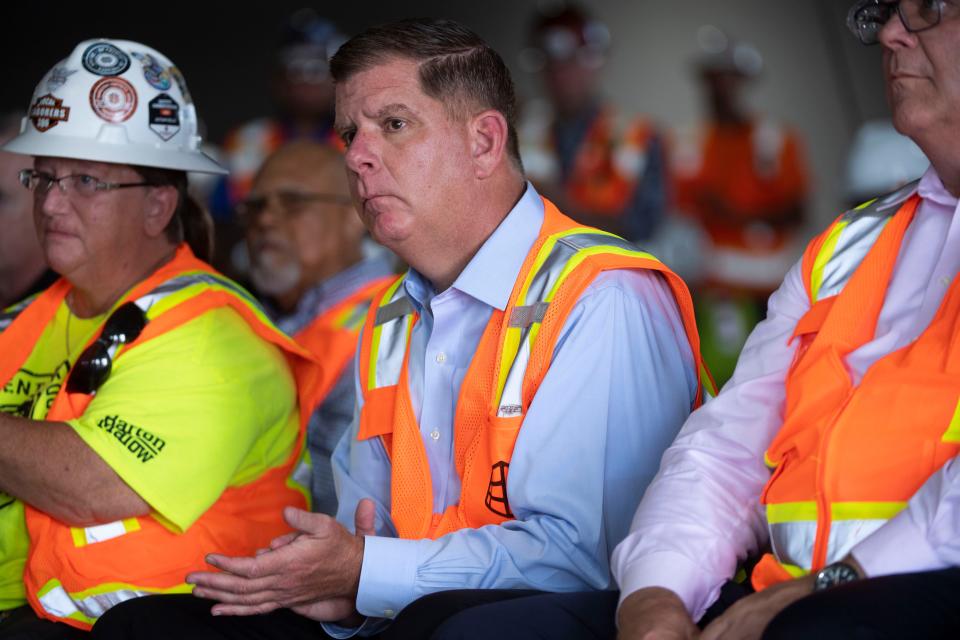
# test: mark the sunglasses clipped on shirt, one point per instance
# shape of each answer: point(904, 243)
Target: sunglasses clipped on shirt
point(867, 17)
point(95, 363)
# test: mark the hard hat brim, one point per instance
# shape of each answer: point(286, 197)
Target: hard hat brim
point(81, 149)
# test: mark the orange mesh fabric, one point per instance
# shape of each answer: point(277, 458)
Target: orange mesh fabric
point(484, 442)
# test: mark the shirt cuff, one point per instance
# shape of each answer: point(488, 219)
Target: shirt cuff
point(899, 546)
point(387, 576)
point(675, 572)
point(370, 627)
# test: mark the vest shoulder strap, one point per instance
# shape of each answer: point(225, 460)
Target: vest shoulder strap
point(561, 255)
point(836, 254)
point(8, 315)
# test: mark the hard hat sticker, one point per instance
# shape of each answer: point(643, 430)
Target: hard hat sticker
point(104, 59)
point(164, 116)
point(47, 112)
point(155, 75)
point(181, 84)
point(58, 77)
point(113, 99)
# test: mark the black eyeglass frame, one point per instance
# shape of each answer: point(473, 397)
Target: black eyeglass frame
point(95, 363)
point(28, 176)
point(250, 208)
point(861, 28)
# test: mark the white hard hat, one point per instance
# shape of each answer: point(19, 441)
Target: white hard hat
point(114, 101)
point(720, 53)
point(881, 160)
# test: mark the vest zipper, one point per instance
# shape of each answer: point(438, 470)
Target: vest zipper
point(821, 541)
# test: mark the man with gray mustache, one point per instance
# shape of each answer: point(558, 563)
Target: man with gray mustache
point(307, 262)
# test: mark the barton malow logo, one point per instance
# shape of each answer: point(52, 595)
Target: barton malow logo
point(140, 442)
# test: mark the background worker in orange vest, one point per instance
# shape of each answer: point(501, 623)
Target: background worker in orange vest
point(307, 262)
point(23, 271)
point(149, 408)
point(601, 166)
point(832, 451)
point(516, 385)
point(743, 179)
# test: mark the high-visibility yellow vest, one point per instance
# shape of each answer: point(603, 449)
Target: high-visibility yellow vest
point(74, 574)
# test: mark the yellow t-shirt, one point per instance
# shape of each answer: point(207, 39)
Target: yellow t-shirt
point(183, 416)
point(28, 394)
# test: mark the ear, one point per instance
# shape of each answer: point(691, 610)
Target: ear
point(488, 141)
point(160, 205)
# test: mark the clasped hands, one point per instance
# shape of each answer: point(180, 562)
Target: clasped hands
point(313, 570)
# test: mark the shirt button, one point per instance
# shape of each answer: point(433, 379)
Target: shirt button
point(945, 281)
point(441, 357)
point(435, 434)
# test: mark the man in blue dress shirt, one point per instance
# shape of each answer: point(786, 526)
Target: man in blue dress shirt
point(427, 111)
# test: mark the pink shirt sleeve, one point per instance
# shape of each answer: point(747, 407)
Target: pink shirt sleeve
point(701, 514)
point(926, 535)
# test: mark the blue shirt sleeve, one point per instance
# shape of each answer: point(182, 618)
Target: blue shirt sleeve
point(619, 387)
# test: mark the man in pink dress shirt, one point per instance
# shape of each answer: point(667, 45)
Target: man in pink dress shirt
point(702, 516)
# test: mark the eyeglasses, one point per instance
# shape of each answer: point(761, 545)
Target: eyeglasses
point(79, 183)
point(95, 363)
point(867, 17)
point(290, 203)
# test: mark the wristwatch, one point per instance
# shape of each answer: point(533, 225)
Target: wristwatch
point(834, 574)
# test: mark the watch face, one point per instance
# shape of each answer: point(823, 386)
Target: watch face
point(834, 574)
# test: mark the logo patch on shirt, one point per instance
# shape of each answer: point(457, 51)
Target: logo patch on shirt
point(496, 499)
point(140, 442)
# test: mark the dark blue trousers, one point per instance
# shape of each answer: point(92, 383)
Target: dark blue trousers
point(918, 605)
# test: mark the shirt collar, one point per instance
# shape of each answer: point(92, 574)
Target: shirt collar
point(931, 188)
point(491, 273)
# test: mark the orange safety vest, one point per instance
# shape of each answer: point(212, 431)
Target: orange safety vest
point(332, 336)
point(608, 165)
point(510, 362)
point(754, 171)
point(849, 457)
point(74, 574)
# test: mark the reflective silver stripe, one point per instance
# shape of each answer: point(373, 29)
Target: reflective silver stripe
point(301, 475)
point(857, 238)
point(11, 313)
point(104, 532)
point(182, 282)
point(57, 602)
point(792, 542)
point(397, 308)
point(526, 316)
point(391, 320)
point(533, 308)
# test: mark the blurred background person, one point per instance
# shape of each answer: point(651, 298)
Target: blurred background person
point(603, 167)
point(742, 178)
point(307, 263)
point(23, 269)
point(303, 97)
